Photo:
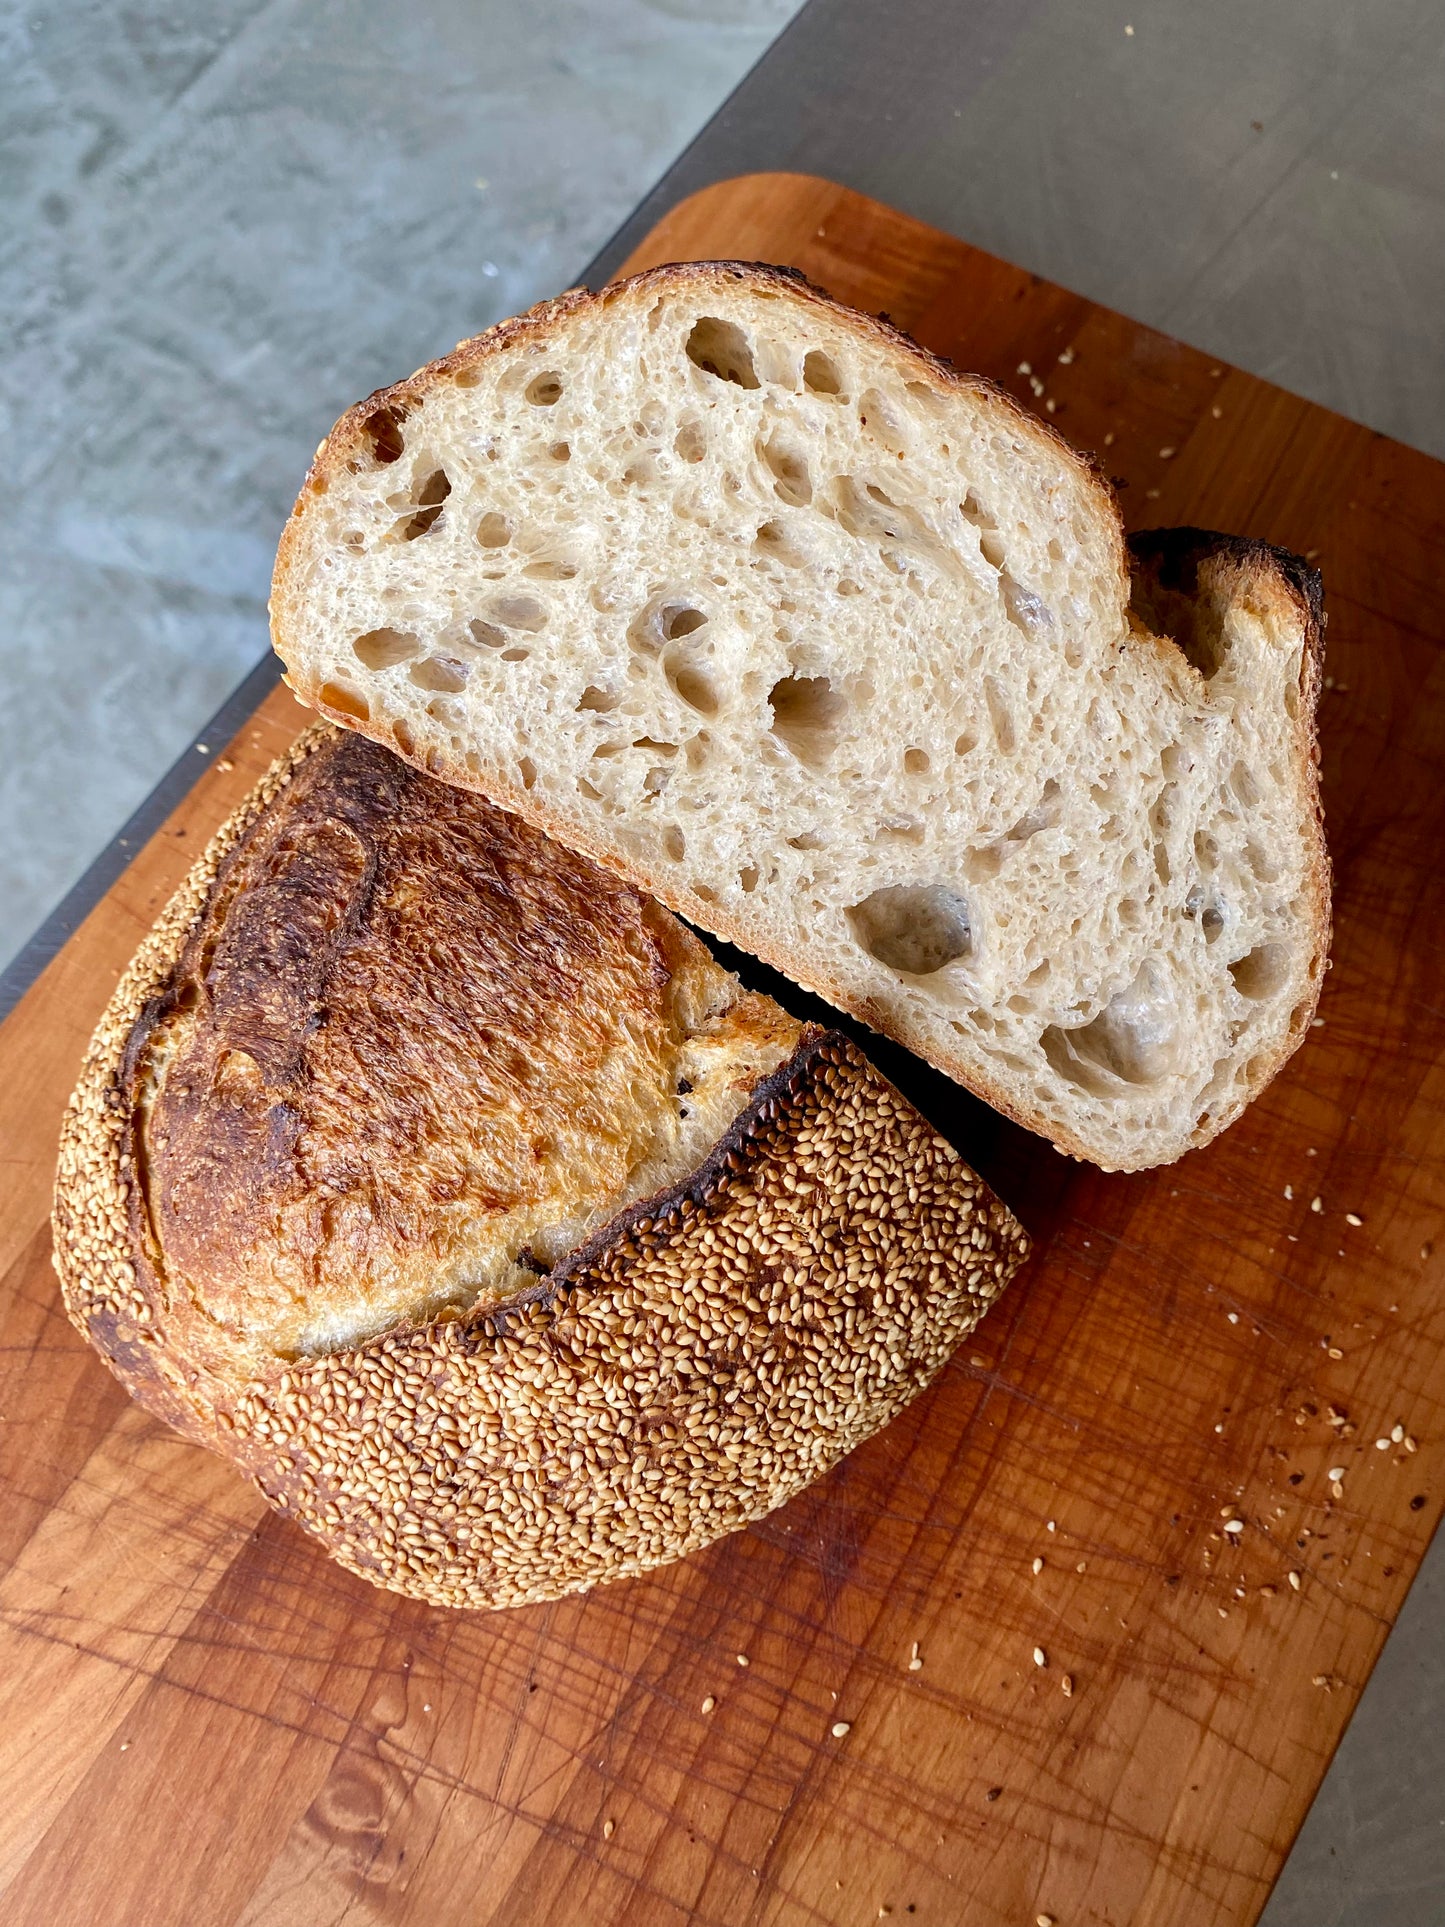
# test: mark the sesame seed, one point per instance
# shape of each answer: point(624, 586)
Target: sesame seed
point(1038, 1566)
point(1354, 1218)
point(1041, 1658)
point(841, 1729)
point(709, 1703)
point(1335, 1472)
point(1397, 1433)
point(1317, 1204)
point(1166, 454)
point(1066, 1686)
point(1047, 1920)
point(1051, 1525)
point(609, 1827)
point(1026, 368)
point(743, 1659)
point(1333, 1351)
point(1294, 1580)
point(1235, 1526)
point(1109, 439)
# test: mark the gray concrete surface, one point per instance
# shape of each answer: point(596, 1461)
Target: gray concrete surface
point(225, 225)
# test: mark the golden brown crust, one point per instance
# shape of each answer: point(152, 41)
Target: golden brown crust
point(401, 1018)
point(828, 1214)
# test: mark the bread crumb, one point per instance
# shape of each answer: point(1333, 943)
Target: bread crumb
point(841, 1729)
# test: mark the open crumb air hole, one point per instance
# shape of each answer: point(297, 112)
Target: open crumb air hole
point(494, 531)
point(915, 928)
point(384, 648)
point(434, 492)
point(807, 714)
point(383, 430)
point(545, 390)
point(820, 374)
point(1262, 973)
point(345, 700)
point(720, 348)
point(445, 674)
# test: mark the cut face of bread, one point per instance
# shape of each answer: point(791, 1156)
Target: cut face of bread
point(451, 1187)
point(832, 650)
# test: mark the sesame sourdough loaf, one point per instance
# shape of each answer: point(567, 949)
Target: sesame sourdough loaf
point(832, 649)
point(448, 1185)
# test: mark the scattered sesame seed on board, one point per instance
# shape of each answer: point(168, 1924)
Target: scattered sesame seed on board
point(1333, 1351)
point(1167, 454)
point(609, 1827)
point(1051, 1525)
point(1336, 1473)
point(1041, 1658)
point(1038, 1566)
point(841, 1729)
point(1382, 1445)
point(1354, 1218)
point(709, 1703)
point(1050, 405)
point(743, 1660)
point(1289, 1193)
point(1397, 1433)
point(915, 1664)
point(1235, 1526)
point(1317, 1204)
point(1217, 412)
point(1294, 1580)
point(1109, 439)
point(1026, 368)
point(1066, 357)
point(1082, 1566)
point(1066, 1686)
point(1047, 1920)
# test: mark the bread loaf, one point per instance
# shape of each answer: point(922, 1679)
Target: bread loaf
point(450, 1187)
point(832, 650)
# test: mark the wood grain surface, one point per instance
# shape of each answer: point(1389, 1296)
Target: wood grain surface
point(1156, 1463)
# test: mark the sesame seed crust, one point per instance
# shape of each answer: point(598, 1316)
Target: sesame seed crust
point(691, 1367)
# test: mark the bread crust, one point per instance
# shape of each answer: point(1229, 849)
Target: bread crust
point(685, 1369)
point(1272, 575)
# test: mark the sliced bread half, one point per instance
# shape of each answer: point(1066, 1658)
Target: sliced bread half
point(832, 649)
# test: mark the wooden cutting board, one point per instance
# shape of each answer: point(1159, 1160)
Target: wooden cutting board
point(203, 1721)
